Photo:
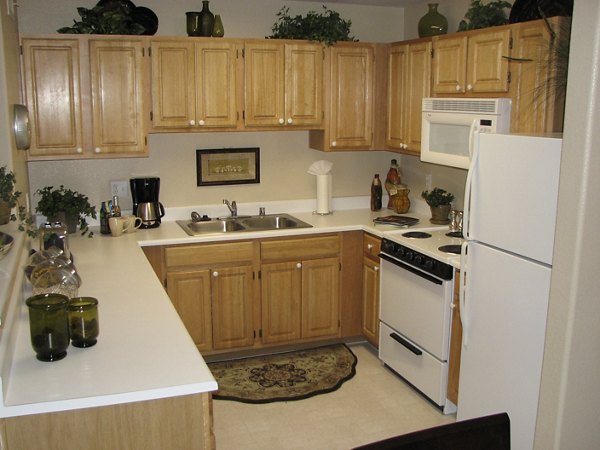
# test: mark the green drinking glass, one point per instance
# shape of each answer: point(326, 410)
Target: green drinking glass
point(49, 326)
point(83, 321)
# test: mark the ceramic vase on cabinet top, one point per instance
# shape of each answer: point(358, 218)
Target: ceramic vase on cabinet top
point(432, 23)
point(218, 30)
point(207, 20)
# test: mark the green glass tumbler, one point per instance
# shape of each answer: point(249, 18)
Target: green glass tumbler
point(193, 23)
point(83, 321)
point(49, 326)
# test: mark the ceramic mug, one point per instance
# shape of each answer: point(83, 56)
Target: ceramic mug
point(133, 223)
point(118, 225)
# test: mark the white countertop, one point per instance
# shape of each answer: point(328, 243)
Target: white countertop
point(143, 351)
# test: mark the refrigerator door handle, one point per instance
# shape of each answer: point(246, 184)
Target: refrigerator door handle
point(474, 152)
point(464, 314)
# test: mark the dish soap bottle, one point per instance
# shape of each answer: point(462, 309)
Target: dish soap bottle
point(376, 193)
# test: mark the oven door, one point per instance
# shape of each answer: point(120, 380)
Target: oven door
point(416, 305)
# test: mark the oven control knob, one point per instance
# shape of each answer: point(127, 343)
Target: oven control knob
point(400, 251)
point(428, 265)
point(419, 259)
point(409, 255)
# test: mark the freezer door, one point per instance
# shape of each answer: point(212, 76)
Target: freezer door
point(514, 194)
point(506, 302)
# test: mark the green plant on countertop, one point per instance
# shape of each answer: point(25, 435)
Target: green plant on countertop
point(480, 15)
point(437, 197)
point(72, 204)
point(326, 27)
point(8, 195)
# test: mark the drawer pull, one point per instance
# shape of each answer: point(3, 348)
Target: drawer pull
point(406, 344)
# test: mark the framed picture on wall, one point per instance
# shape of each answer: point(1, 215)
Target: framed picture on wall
point(228, 166)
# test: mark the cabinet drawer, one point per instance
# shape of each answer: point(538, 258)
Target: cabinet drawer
point(371, 246)
point(316, 247)
point(195, 255)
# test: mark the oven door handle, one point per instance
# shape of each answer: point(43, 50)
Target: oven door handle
point(406, 344)
point(410, 269)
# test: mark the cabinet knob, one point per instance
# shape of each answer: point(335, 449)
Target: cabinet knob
point(192, 122)
point(215, 274)
point(298, 265)
point(469, 87)
point(333, 143)
point(376, 268)
point(290, 121)
point(457, 87)
point(281, 121)
point(452, 305)
point(201, 122)
point(97, 150)
point(79, 150)
point(369, 246)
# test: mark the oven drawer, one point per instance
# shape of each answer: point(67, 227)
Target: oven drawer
point(423, 371)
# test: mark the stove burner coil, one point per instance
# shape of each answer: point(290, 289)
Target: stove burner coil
point(455, 234)
point(455, 249)
point(416, 235)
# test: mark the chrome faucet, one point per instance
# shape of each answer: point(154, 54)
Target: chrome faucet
point(232, 207)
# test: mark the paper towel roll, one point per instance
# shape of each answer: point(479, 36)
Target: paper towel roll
point(324, 194)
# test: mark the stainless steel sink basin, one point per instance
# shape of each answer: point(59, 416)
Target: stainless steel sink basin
point(244, 223)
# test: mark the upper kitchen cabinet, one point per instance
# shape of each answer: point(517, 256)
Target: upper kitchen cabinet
point(350, 97)
point(86, 96)
point(472, 62)
point(283, 85)
point(194, 84)
point(539, 67)
point(409, 81)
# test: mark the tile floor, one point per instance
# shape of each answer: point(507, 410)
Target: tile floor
point(373, 405)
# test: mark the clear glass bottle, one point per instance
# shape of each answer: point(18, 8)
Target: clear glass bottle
point(116, 209)
point(376, 193)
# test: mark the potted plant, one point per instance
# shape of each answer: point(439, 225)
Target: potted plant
point(66, 206)
point(8, 195)
point(439, 201)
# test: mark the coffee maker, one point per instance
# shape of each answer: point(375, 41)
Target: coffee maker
point(144, 193)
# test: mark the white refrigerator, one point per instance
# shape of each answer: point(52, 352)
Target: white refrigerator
point(506, 264)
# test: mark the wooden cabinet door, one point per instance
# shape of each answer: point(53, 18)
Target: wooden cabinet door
point(409, 75)
point(449, 65)
point(216, 85)
point(303, 84)
point(281, 297)
point(320, 298)
point(173, 84)
point(264, 68)
point(118, 88)
point(396, 93)
point(351, 97)
point(370, 322)
point(487, 69)
point(51, 72)
point(232, 297)
point(190, 293)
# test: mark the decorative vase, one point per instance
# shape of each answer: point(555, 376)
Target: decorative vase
point(218, 30)
point(400, 202)
point(439, 214)
point(69, 221)
point(207, 20)
point(192, 20)
point(432, 23)
point(4, 212)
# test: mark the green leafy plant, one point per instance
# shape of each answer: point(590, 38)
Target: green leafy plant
point(437, 197)
point(71, 203)
point(7, 189)
point(480, 15)
point(101, 20)
point(326, 27)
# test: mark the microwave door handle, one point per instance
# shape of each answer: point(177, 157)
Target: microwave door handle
point(474, 151)
point(472, 131)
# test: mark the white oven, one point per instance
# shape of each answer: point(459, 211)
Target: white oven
point(416, 293)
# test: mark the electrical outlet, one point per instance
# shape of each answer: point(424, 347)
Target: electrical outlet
point(119, 188)
point(428, 182)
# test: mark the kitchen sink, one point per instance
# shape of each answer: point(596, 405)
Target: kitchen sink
point(243, 223)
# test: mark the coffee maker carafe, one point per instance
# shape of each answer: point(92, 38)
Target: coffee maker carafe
point(144, 193)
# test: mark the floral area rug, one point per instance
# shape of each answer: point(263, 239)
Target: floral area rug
point(284, 376)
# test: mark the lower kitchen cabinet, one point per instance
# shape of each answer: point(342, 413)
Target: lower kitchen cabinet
point(370, 293)
point(300, 289)
point(455, 344)
point(182, 422)
point(212, 289)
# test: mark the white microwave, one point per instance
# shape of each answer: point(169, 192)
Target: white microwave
point(449, 123)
